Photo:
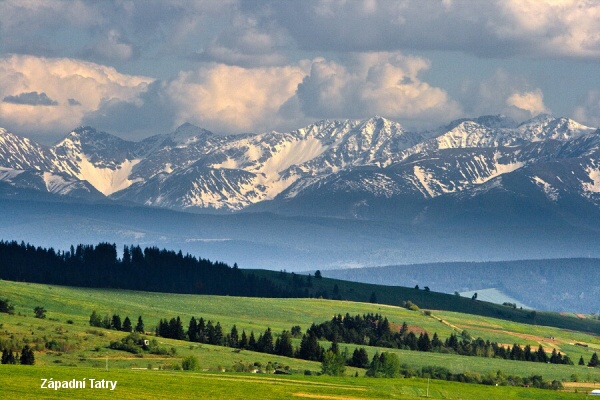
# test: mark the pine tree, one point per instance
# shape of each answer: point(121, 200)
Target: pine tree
point(27, 357)
point(251, 341)
point(423, 343)
point(403, 329)
point(177, 331)
point(116, 322)
point(202, 331)
point(309, 347)
point(581, 362)
point(193, 330)
point(594, 361)
point(233, 337)
point(127, 325)
point(436, 343)
point(554, 357)
point(541, 355)
point(210, 333)
point(360, 358)
point(243, 341)
point(218, 335)
point(6, 357)
point(95, 320)
point(140, 325)
point(283, 345)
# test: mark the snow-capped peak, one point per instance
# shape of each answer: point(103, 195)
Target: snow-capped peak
point(187, 134)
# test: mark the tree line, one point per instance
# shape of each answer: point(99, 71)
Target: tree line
point(368, 329)
point(114, 322)
point(148, 269)
point(376, 330)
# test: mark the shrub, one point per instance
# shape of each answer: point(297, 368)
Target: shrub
point(190, 363)
point(40, 312)
point(6, 307)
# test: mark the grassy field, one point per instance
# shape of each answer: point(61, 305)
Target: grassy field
point(395, 295)
point(25, 382)
point(86, 349)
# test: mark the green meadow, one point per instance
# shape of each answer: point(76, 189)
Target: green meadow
point(25, 382)
point(83, 350)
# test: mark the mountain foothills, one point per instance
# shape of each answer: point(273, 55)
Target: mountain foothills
point(356, 169)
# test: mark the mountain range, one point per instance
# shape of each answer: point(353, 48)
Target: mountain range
point(369, 169)
point(335, 194)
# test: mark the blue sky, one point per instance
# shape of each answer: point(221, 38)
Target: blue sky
point(137, 68)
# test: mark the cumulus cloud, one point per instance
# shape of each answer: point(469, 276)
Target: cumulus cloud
point(31, 98)
point(505, 94)
point(222, 98)
point(384, 84)
point(26, 82)
point(532, 101)
point(496, 28)
point(232, 99)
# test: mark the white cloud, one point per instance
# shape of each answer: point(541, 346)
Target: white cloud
point(553, 28)
point(589, 112)
point(503, 93)
point(498, 28)
point(532, 101)
point(55, 95)
point(382, 83)
point(231, 99)
point(63, 81)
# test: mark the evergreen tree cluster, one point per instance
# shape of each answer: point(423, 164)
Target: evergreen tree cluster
point(375, 330)
point(114, 322)
point(148, 269)
point(209, 332)
point(27, 357)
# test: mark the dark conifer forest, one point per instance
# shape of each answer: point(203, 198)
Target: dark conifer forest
point(148, 269)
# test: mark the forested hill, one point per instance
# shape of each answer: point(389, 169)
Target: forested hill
point(148, 269)
point(563, 285)
point(153, 269)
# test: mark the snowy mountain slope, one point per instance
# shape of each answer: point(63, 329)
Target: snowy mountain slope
point(43, 181)
point(356, 162)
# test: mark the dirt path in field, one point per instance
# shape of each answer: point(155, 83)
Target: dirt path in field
point(524, 336)
point(443, 321)
point(587, 385)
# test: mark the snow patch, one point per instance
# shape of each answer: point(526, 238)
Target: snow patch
point(551, 192)
point(56, 183)
point(424, 178)
point(594, 175)
point(499, 169)
point(7, 174)
point(107, 180)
